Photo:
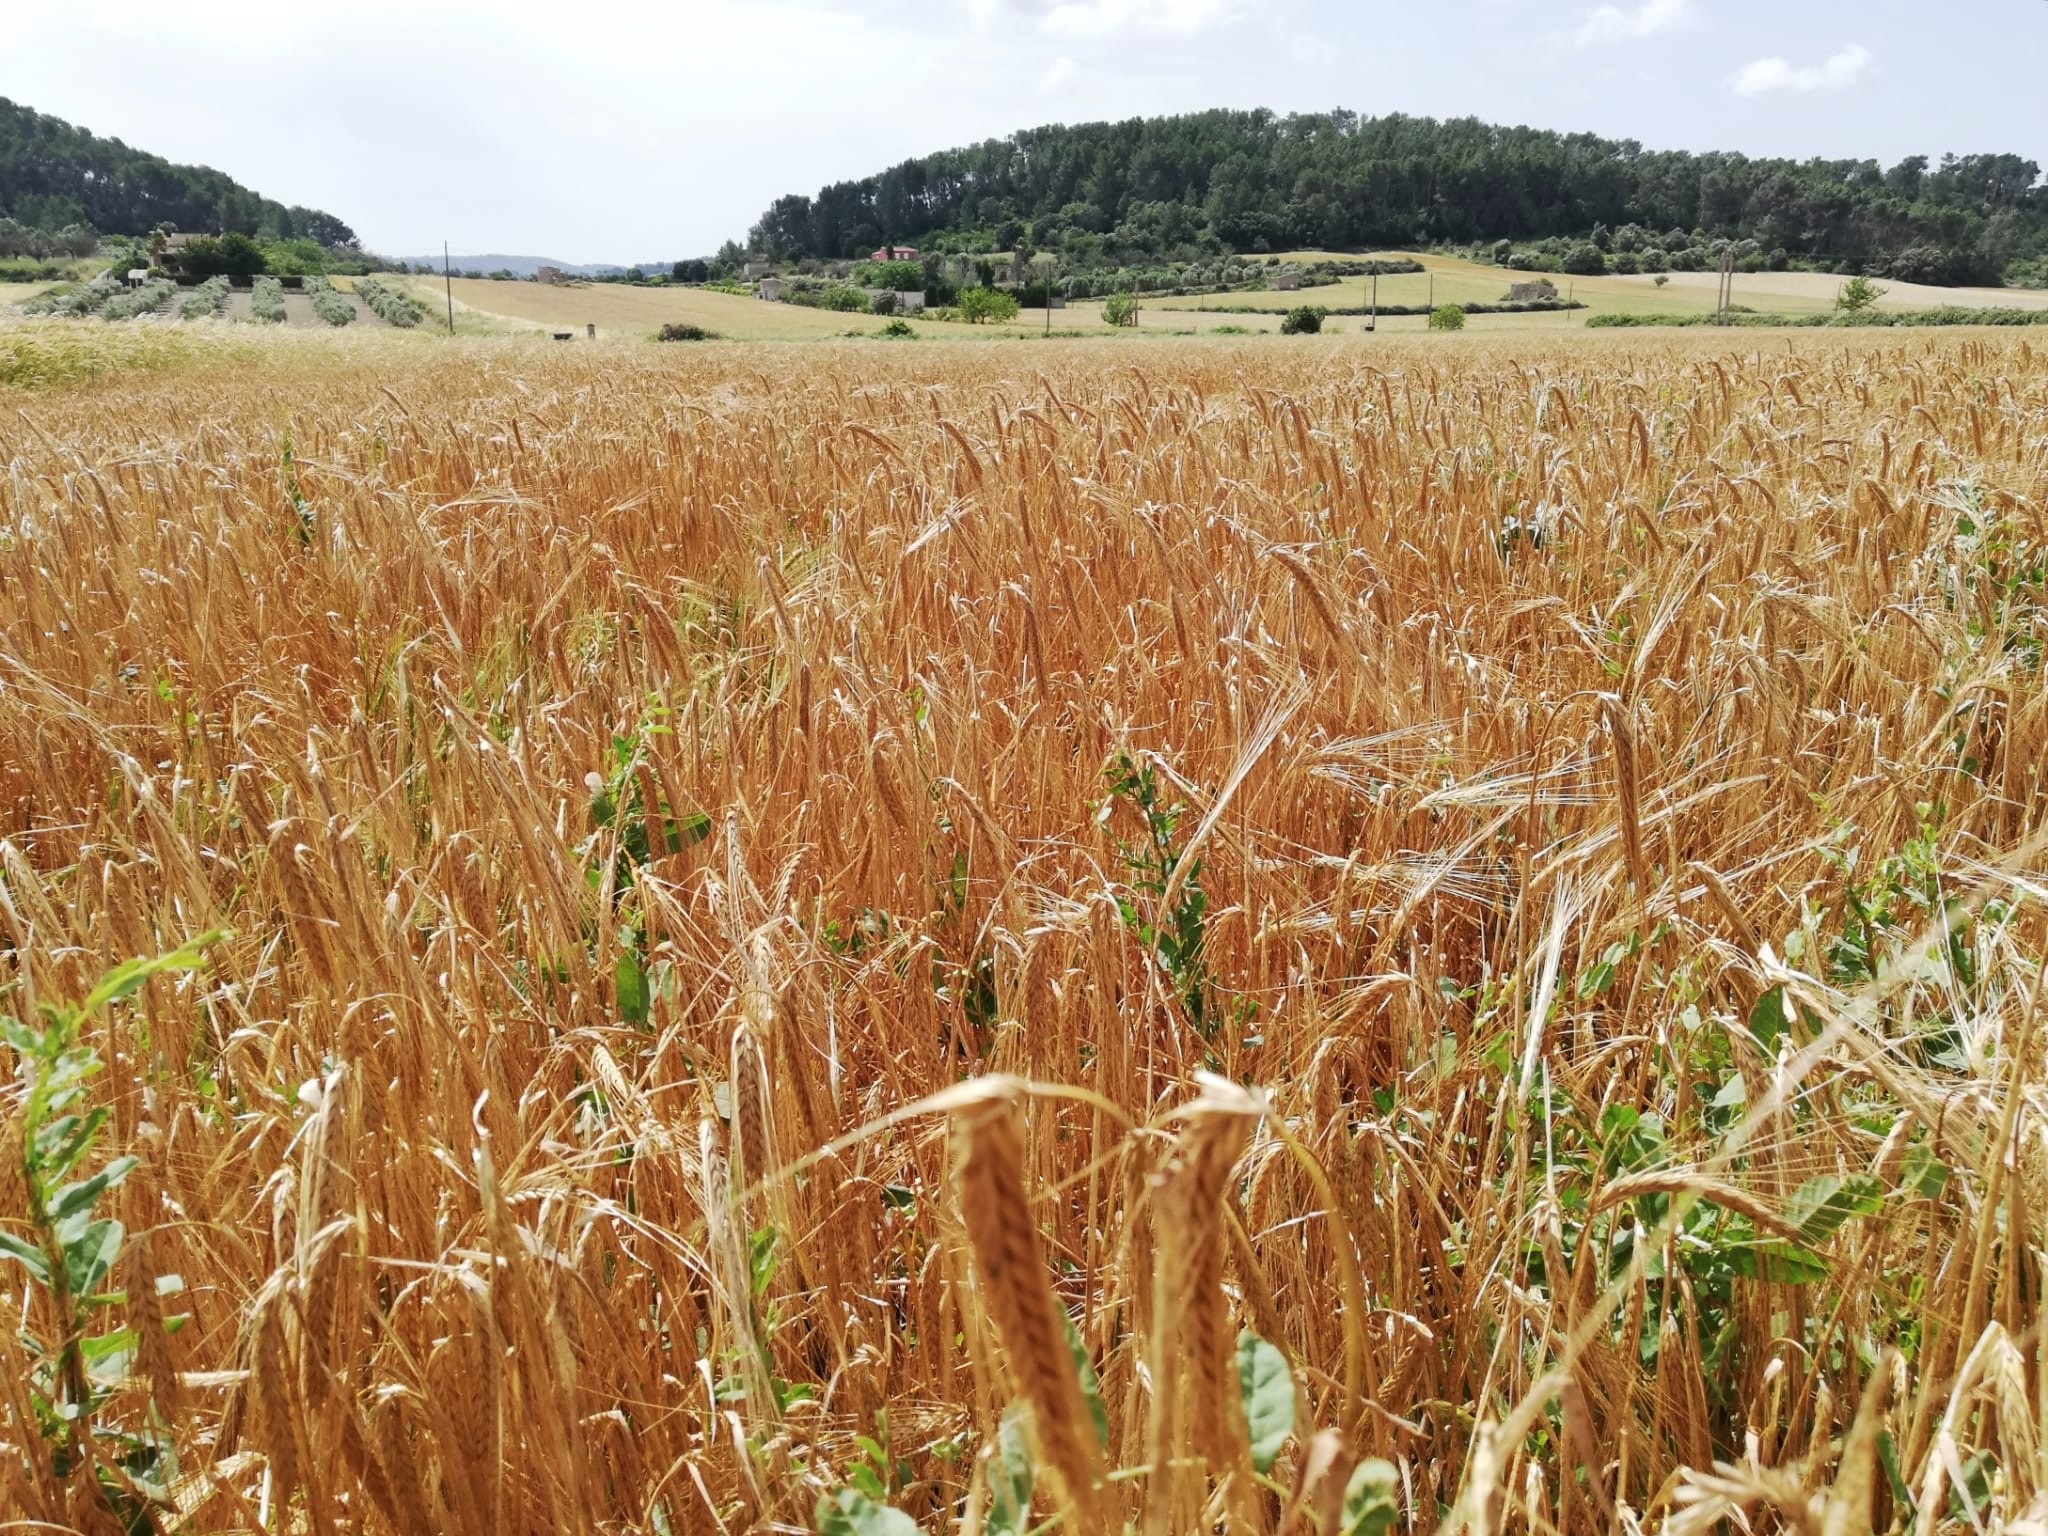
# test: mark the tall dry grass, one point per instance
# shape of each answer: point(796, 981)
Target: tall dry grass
point(737, 868)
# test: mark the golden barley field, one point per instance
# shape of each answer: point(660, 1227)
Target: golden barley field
point(1014, 938)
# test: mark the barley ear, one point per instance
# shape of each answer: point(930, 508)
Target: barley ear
point(1012, 1285)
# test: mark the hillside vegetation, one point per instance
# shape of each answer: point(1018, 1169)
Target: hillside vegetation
point(1229, 937)
point(1151, 188)
point(54, 176)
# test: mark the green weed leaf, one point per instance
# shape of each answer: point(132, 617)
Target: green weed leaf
point(1779, 1264)
point(1010, 1477)
point(631, 979)
point(1823, 1204)
point(73, 1199)
point(127, 978)
point(1923, 1174)
point(1371, 1499)
point(1266, 1387)
point(30, 1258)
point(849, 1512)
point(1091, 1388)
point(1767, 1021)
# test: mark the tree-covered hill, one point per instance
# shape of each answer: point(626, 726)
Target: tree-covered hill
point(54, 177)
point(1154, 188)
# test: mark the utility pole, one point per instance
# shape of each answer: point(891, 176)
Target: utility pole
point(448, 281)
point(1373, 324)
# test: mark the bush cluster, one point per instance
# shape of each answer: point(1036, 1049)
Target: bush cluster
point(231, 255)
point(77, 299)
point(1304, 321)
point(677, 332)
point(129, 303)
point(840, 298)
point(328, 304)
point(72, 241)
point(205, 300)
point(984, 306)
point(266, 304)
point(1904, 318)
point(389, 305)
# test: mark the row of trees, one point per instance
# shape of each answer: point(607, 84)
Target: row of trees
point(1185, 187)
point(21, 240)
point(55, 176)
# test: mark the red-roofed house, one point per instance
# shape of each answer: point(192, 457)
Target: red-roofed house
point(893, 253)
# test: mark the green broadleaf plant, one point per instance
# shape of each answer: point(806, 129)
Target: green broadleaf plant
point(69, 1250)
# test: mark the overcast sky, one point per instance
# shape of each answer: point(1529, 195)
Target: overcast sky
point(618, 130)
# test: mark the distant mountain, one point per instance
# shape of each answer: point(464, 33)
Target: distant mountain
point(526, 266)
point(54, 176)
point(1192, 187)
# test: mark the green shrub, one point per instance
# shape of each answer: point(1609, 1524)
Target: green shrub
point(1585, 260)
point(204, 301)
point(1305, 321)
point(897, 276)
point(1447, 317)
point(76, 299)
point(1861, 320)
point(389, 305)
point(230, 255)
point(680, 332)
point(1858, 295)
point(1120, 309)
point(266, 304)
point(979, 306)
point(329, 305)
point(898, 330)
point(138, 301)
point(1233, 330)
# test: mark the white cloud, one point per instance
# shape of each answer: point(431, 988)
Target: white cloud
point(1624, 24)
point(1109, 18)
point(1062, 74)
point(1840, 72)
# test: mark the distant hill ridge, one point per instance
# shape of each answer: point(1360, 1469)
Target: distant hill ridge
point(54, 175)
point(1167, 188)
point(527, 266)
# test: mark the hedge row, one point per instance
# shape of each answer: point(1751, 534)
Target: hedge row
point(267, 302)
point(1870, 320)
point(1395, 311)
point(389, 305)
point(327, 303)
point(204, 301)
point(137, 301)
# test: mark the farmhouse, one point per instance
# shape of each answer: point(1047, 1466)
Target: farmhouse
point(769, 288)
point(1284, 282)
point(168, 249)
point(893, 253)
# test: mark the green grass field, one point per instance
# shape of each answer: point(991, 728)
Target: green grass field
point(1450, 280)
point(19, 293)
point(486, 308)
